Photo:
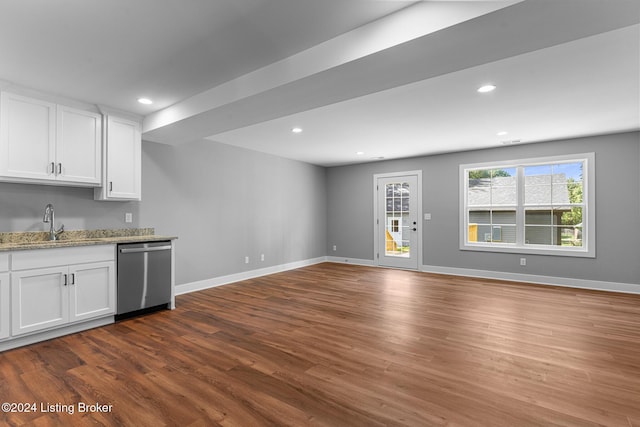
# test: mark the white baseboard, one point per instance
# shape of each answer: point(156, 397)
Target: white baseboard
point(356, 261)
point(245, 275)
point(629, 288)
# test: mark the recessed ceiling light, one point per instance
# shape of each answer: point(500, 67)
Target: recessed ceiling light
point(502, 133)
point(486, 88)
point(296, 130)
point(145, 101)
point(360, 153)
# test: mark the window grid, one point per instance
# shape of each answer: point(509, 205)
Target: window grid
point(550, 210)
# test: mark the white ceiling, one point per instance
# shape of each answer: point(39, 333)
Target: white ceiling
point(112, 52)
point(354, 77)
point(585, 87)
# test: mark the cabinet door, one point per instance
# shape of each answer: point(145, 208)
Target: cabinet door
point(78, 145)
point(5, 306)
point(124, 145)
point(92, 290)
point(39, 299)
point(27, 137)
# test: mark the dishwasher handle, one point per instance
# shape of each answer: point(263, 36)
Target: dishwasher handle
point(141, 250)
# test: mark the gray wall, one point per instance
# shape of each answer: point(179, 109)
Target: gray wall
point(224, 203)
point(22, 208)
point(350, 210)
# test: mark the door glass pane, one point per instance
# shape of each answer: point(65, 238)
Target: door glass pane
point(397, 224)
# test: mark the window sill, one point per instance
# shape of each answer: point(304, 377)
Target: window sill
point(532, 250)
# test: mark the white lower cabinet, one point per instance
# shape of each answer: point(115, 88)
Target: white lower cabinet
point(40, 300)
point(54, 296)
point(5, 306)
point(92, 292)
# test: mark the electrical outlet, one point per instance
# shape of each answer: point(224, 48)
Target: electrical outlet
point(128, 217)
point(246, 260)
point(335, 248)
point(262, 257)
point(523, 261)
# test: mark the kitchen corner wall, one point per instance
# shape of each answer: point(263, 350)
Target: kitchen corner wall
point(350, 210)
point(226, 203)
point(22, 207)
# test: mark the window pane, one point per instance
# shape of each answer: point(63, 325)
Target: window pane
point(538, 235)
point(571, 236)
point(503, 187)
point(560, 194)
point(484, 233)
point(479, 185)
point(537, 185)
point(503, 217)
point(480, 217)
point(508, 233)
point(553, 236)
point(539, 170)
point(572, 171)
point(572, 216)
point(397, 231)
point(504, 192)
point(542, 217)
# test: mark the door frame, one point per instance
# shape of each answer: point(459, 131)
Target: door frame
point(376, 226)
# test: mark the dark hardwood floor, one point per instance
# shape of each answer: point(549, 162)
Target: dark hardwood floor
point(343, 345)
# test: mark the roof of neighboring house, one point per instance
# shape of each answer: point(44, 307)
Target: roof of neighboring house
point(540, 190)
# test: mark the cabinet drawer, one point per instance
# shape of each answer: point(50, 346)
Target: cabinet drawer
point(42, 258)
point(4, 262)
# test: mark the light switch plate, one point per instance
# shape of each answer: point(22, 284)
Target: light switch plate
point(128, 217)
point(427, 217)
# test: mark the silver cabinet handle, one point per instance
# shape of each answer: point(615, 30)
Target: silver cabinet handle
point(139, 250)
point(110, 186)
point(53, 168)
point(59, 168)
point(73, 278)
point(65, 279)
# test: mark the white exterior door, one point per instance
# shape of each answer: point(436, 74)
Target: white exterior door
point(397, 231)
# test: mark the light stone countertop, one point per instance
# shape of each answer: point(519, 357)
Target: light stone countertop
point(17, 241)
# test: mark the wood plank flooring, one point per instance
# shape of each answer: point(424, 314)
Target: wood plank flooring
point(344, 345)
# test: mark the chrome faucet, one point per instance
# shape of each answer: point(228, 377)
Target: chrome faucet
point(49, 216)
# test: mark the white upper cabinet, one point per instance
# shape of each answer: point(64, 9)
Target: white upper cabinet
point(79, 144)
point(48, 143)
point(122, 160)
point(27, 137)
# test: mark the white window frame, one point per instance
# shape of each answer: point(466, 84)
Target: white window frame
point(588, 248)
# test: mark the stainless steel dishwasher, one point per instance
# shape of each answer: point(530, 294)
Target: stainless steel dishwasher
point(144, 277)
